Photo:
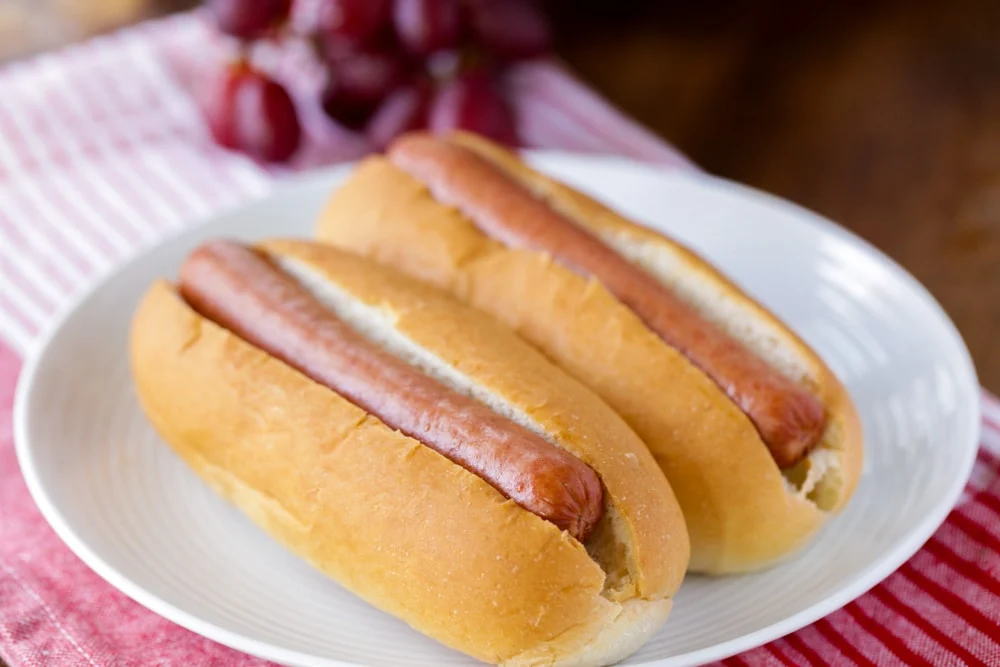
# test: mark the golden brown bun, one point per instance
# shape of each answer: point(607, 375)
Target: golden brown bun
point(390, 519)
point(743, 513)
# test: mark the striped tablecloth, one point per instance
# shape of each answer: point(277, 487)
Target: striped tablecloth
point(102, 152)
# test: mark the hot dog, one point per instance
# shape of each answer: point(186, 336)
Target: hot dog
point(759, 440)
point(789, 419)
point(412, 449)
point(241, 290)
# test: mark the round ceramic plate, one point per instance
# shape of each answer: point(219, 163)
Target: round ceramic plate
point(134, 513)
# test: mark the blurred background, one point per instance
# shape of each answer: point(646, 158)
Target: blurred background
point(884, 116)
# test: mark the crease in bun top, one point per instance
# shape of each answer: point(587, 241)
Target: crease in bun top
point(757, 436)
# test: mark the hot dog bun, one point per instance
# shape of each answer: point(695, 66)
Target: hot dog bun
point(742, 511)
point(392, 520)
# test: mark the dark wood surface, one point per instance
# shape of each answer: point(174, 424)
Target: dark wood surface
point(884, 116)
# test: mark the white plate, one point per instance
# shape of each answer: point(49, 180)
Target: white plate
point(137, 516)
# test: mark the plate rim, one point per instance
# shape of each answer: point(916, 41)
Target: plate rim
point(888, 563)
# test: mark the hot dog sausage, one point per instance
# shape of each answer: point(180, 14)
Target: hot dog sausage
point(789, 419)
point(243, 291)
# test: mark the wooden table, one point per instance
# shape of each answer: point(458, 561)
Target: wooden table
point(884, 116)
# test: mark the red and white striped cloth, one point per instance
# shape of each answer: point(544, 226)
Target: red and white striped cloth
point(102, 151)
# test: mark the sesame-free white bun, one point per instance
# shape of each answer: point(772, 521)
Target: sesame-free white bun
point(389, 518)
point(743, 513)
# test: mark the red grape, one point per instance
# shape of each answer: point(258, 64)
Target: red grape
point(472, 102)
point(404, 110)
point(344, 109)
point(425, 26)
point(511, 29)
point(254, 114)
point(248, 19)
point(358, 21)
point(358, 81)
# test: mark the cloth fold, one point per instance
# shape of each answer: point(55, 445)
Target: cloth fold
point(103, 151)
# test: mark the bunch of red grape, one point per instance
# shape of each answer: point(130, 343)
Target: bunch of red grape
point(391, 66)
